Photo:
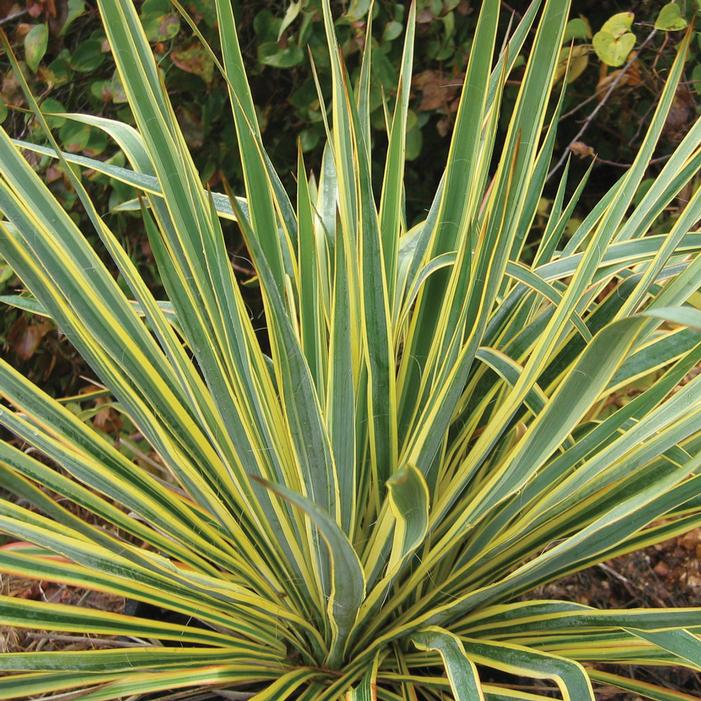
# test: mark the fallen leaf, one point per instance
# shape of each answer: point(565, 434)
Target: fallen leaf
point(107, 419)
point(53, 174)
point(195, 60)
point(573, 61)
point(35, 8)
point(631, 75)
point(24, 338)
point(443, 126)
point(582, 150)
point(10, 89)
point(690, 540)
point(693, 581)
point(661, 568)
point(9, 7)
point(437, 89)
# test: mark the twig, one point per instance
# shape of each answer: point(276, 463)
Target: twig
point(609, 91)
point(9, 18)
point(640, 124)
point(576, 109)
point(617, 164)
point(616, 575)
point(513, 10)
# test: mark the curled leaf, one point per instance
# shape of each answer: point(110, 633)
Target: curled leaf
point(573, 62)
point(290, 16)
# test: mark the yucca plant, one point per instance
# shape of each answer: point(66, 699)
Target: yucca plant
point(355, 502)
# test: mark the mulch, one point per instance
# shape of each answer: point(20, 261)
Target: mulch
point(668, 574)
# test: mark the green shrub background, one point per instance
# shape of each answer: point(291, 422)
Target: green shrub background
point(68, 64)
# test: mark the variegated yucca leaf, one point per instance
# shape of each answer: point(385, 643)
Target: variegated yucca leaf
point(353, 504)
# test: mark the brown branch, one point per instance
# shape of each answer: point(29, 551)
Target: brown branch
point(618, 164)
point(9, 18)
point(609, 91)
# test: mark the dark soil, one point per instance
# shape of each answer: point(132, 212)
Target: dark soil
point(668, 574)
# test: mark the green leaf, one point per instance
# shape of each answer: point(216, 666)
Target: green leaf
point(6, 274)
point(87, 56)
point(140, 181)
point(51, 105)
point(391, 31)
point(143, 658)
point(271, 54)
point(680, 643)
point(615, 41)
point(309, 139)
point(74, 136)
point(256, 173)
point(367, 689)
point(414, 144)
point(409, 499)
point(431, 399)
point(670, 18)
point(685, 316)
point(59, 71)
point(35, 44)
point(644, 689)
point(618, 24)
point(347, 578)
point(290, 16)
point(265, 25)
point(357, 10)
point(577, 28)
point(570, 677)
point(68, 618)
point(160, 23)
point(76, 8)
point(696, 78)
point(31, 305)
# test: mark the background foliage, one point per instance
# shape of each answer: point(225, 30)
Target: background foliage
point(607, 105)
